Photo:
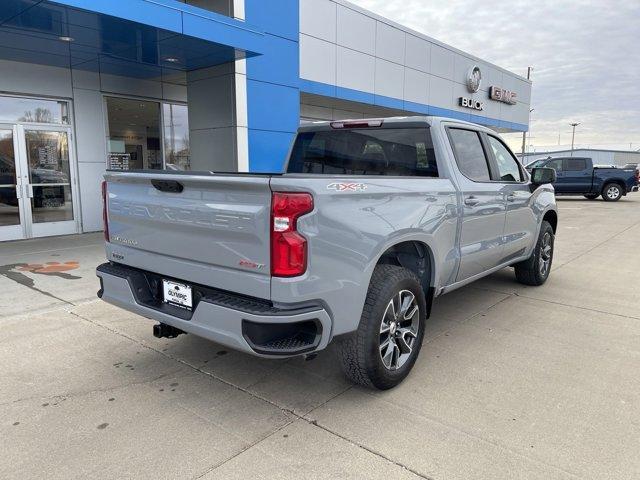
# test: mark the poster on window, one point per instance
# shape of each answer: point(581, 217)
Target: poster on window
point(48, 156)
point(119, 161)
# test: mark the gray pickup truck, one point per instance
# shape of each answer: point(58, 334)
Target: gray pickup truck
point(372, 220)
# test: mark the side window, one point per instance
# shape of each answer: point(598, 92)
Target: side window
point(555, 164)
point(470, 155)
point(575, 164)
point(507, 165)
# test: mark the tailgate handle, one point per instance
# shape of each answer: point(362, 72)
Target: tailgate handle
point(170, 186)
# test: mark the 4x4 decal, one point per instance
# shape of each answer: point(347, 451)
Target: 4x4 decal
point(347, 187)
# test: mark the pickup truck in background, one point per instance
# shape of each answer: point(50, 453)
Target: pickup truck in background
point(372, 220)
point(578, 176)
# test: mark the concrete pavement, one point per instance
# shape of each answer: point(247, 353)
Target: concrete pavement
point(513, 382)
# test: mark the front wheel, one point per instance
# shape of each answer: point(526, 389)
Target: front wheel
point(383, 350)
point(535, 270)
point(612, 192)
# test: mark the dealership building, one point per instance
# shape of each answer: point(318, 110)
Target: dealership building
point(202, 85)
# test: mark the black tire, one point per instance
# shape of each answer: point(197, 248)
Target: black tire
point(536, 269)
point(591, 196)
point(612, 192)
point(361, 354)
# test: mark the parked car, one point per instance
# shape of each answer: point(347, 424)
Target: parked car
point(372, 220)
point(578, 176)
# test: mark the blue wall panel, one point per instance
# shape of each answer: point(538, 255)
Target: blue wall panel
point(273, 107)
point(273, 83)
point(269, 150)
point(279, 64)
point(277, 17)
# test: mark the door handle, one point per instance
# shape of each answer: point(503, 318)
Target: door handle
point(471, 201)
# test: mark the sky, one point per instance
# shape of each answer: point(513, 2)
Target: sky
point(585, 56)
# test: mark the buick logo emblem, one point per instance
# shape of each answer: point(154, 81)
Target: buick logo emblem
point(474, 79)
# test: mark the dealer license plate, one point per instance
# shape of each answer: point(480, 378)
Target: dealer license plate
point(178, 294)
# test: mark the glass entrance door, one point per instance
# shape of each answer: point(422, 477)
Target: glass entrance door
point(37, 179)
point(49, 180)
point(12, 209)
point(48, 176)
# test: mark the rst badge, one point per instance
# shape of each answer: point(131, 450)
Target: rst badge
point(347, 187)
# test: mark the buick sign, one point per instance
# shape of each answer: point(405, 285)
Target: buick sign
point(471, 103)
point(474, 79)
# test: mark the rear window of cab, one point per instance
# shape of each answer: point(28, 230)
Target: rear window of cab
point(366, 151)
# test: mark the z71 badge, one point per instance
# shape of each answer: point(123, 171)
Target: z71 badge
point(347, 187)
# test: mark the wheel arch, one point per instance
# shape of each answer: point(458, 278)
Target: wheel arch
point(617, 181)
point(551, 216)
point(416, 256)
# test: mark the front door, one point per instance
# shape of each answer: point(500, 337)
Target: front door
point(12, 205)
point(36, 182)
point(561, 185)
point(521, 224)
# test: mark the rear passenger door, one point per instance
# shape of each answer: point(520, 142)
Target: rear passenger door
point(483, 206)
point(576, 177)
point(521, 225)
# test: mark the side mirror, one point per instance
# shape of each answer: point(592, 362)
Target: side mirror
point(543, 176)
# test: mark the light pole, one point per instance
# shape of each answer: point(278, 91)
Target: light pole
point(524, 134)
point(530, 112)
point(573, 136)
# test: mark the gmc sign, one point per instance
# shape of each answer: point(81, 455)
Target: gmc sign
point(501, 95)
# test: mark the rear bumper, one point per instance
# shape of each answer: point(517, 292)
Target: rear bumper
point(241, 323)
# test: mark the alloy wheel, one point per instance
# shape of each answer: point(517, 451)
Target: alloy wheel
point(546, 254)
point(613, 192)
point(399, 329)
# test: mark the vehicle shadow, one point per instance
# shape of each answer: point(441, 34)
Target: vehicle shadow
point(298, 385)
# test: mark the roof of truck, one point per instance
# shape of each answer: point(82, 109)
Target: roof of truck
point(408, 121)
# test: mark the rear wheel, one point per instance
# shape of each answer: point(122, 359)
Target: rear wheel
point(383, 350)
point(591, 196)
point(612, 192)
point(536, 269)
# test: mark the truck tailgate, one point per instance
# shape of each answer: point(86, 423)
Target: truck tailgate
point(212, 230)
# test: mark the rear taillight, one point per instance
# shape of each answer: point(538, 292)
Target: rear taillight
point(288, 247)
point(105, 213)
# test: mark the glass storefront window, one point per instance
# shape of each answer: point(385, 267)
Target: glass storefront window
point(134, 133)
point(177, 154)
point(33, 110)
point(139, 133)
